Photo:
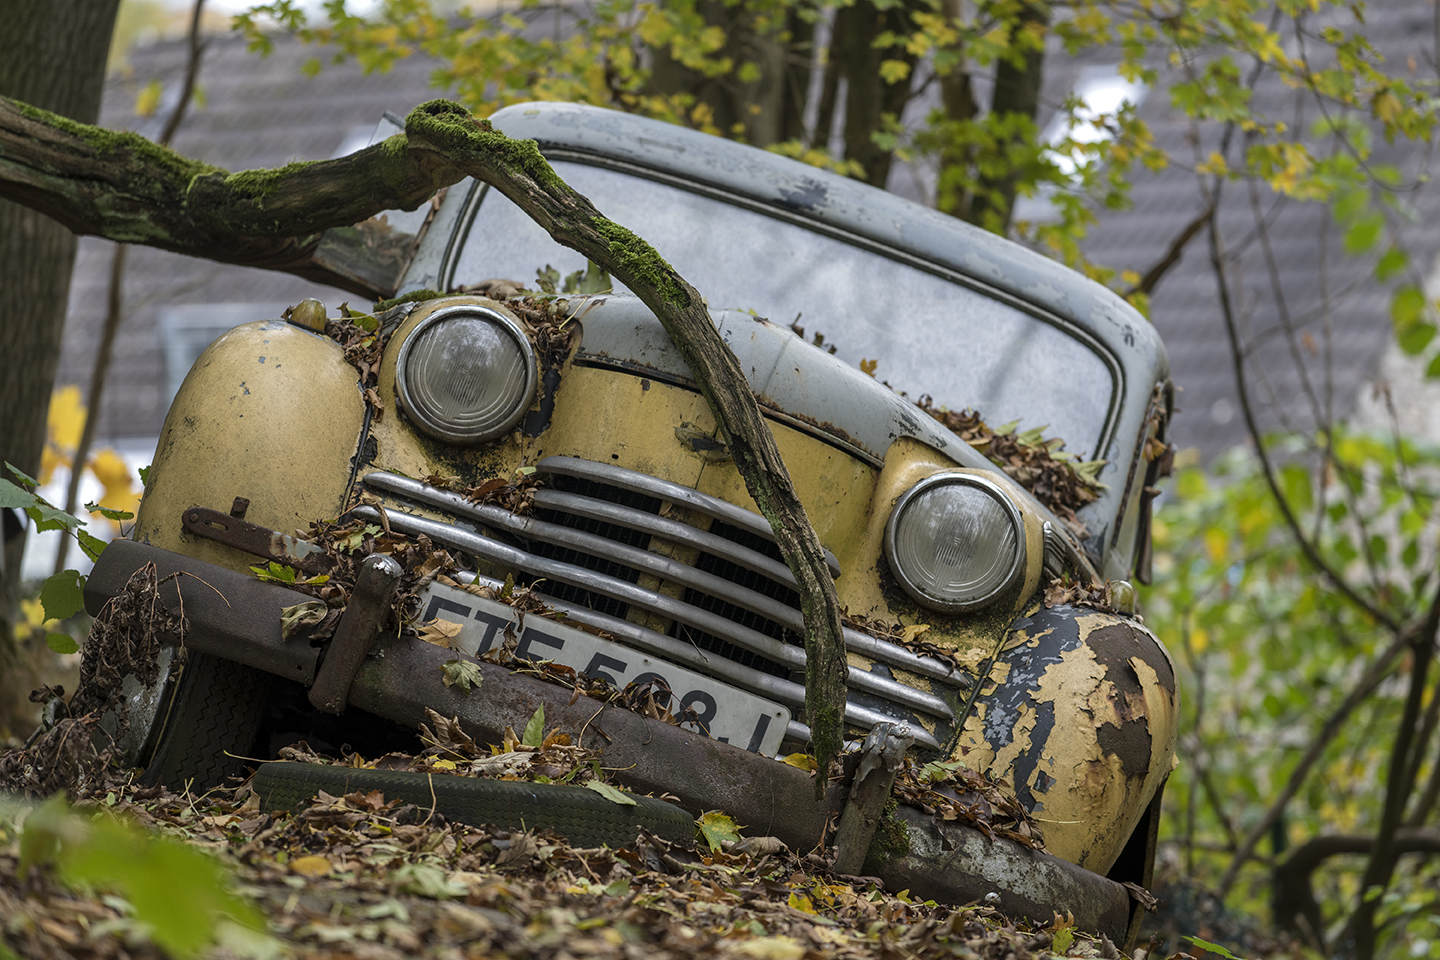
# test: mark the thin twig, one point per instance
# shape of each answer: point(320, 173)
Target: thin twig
point(1378, 670)
point(1217, 261)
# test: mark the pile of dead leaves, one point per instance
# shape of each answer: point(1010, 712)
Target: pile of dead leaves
point(362, 877)
point(1112, 596)
point(1060, 480)
point(952, 791)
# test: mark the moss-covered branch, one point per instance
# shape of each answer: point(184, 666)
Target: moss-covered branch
point(125, 188)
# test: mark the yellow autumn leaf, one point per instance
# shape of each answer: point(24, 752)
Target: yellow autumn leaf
point(313, 866)
point(915, 631)
point(801, 760)
point(771, 948)
point(443, 765)
point(442, 633)
point(801, 902)
point(66, 419)
point(114, 475)
point(894, 71)
point(149, 99)
point(1217, 545)
point(1199, 639)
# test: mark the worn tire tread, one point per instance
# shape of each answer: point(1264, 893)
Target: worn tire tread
point(582, 816)
point(212, 724)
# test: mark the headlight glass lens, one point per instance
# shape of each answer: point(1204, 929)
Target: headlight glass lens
point(466, 374)
point(955, 542)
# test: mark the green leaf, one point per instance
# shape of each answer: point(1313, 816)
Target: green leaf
point(716, 828)
point(145, 477)
point(63, 595)
point(1433, 371)
point(92, 545)
point(273, 572)
point(427, 880)
point(548, 279)
point(534, 734)
point(45, 828)
point(109, 514)
point(1394, 261)
point(47, 517)
point(610, 793)
point(177, 890)
point(1416, 338)
point(15, 496)
point(21, 475)
point(61, 643)
point(1212, 947)
point(1364, 234)
point(464, 674)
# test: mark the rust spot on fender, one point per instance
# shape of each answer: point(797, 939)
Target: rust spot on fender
point(1114, 645)
point(1127, 735)
point(1129, 741)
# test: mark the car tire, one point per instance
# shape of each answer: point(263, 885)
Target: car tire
point(582, 816)
point(210, 728)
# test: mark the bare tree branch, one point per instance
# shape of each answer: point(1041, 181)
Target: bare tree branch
point(126, 188)
point(1171, 257)
point(1217, 261)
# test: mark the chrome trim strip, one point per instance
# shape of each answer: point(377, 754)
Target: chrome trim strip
point(752, 640)
point(862, 643)
point(664, 489)
point(776, 688)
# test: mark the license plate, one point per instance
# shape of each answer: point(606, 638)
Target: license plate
point(728, 714)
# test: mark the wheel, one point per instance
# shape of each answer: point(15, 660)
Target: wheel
point(209, 730)
point(582, 816)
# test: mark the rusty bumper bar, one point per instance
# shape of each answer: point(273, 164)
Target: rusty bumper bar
point(237, 617)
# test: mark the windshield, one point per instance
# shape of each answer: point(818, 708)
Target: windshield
point(927, 334)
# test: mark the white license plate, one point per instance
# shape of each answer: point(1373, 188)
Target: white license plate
point(728, 714)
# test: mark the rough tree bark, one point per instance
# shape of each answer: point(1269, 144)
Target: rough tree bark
point(54, 57)
point(126, 188)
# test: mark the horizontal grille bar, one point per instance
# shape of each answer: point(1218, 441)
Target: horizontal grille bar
point(666, 490)
point(778, 689)
point(791, 656)
point(889, 653)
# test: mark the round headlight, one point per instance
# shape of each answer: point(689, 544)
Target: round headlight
point(466, 374)
point(955, 542)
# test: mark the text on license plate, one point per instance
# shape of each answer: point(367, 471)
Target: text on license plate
point(730, 715)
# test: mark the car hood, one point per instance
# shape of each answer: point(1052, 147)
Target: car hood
point(793, 380)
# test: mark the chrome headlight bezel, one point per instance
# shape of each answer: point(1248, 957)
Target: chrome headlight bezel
point(1010, 573)
point(423, 418)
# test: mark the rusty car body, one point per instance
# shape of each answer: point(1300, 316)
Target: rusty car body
point(643, 528)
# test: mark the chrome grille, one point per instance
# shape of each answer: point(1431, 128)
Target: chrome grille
point(732, 611)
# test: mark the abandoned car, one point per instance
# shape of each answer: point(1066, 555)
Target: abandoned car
point(869, 329)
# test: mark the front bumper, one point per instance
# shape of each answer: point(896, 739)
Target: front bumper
point(234, 616)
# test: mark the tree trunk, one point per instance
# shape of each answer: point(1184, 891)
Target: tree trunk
point(957, 96)
point(1017, 91)
point(755, 110)
point(54, 58)
point(869, 99)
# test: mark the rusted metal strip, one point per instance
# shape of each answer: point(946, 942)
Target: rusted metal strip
point(254, 539)
point(360, 626)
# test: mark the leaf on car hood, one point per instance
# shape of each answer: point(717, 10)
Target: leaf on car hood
point(1060, 480)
